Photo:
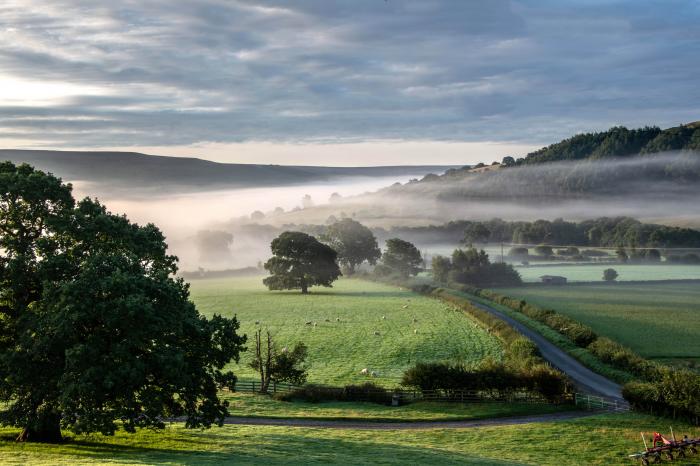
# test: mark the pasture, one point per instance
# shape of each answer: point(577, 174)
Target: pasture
point(356, 324)
point(595, 440)
point(628, 272)
point(658, 321)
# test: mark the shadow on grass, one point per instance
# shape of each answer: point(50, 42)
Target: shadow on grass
point(249, 446)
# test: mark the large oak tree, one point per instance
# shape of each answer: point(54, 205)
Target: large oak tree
point(95, 332)
point(300, 261)
point(354, 243)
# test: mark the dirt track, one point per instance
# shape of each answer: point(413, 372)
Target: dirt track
point(585, 379)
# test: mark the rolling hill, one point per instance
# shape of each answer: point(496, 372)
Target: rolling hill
point(131, 170)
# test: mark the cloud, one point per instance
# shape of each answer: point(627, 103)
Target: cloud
point(119, 74)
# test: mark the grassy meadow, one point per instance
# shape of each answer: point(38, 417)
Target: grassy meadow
point(627, 272)
point(597, 440)
point(343, 341)
point(254, 405)
point(658, 321)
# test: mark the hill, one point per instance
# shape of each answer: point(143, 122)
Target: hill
point(133, 170)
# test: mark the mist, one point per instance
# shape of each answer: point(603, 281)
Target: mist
point(224, 229)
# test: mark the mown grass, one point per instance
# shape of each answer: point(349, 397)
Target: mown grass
point(251, 405)
point(596, 440)
point(339, 350)
point(627, 272)
point(658, 321)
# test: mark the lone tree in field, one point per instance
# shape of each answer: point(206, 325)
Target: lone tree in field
point(354, 243)
point(94, 329)
point(402, 257)
point(276, 365)
point(300, 261)
point(610, 275)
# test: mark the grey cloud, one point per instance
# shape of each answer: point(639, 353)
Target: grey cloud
point(224, 71)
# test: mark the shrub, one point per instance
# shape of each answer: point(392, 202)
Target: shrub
point(610, 275)
point(316, 393)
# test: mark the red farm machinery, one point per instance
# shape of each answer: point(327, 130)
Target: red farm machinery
point(665, 448)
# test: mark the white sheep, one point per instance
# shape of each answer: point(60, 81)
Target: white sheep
point(405, 306)
point(337, 319)
point(415, 331)
point(373, 374)
point(315, 324)
point(364, 371)
point(383, 317)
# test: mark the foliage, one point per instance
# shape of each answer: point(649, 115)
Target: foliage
point(354, 243)
point(476, 232)
point(94, 328)
point(610, 275)
point(275, 365)
point(300, 261)
point(441, 267)
point(402, 257)
point(474, 268)
point(367, 391)
point(489, 376)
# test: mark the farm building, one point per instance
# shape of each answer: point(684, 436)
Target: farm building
point(553, 280)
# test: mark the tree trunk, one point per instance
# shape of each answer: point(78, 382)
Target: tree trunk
point(47, 428)
point(304, 288)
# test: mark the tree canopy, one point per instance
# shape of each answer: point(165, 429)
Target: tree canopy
point(354, 243)
point(402, 257)
point(94, 328)
point(300, 261)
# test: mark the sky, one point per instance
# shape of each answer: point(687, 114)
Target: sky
point(354, 82)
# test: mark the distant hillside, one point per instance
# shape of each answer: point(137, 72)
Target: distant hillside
point(619, 142)
point(132, 170)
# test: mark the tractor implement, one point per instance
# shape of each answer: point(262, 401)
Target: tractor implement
point(665, 448)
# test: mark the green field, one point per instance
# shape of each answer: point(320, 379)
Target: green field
point(594, 273)
point(597, 440)
point(339, 350)
point(253, 405)
point(658, 321)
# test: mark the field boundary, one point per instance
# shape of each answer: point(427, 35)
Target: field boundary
point(403, 396)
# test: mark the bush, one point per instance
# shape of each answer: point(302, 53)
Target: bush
point(610, 275)
point(368, 392)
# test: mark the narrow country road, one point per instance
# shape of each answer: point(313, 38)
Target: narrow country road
point(381, 425)
point(585, 379)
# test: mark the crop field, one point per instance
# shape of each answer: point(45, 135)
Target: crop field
point(596, 440)
point(658, 321)
point(631, 272)
point(354, 325)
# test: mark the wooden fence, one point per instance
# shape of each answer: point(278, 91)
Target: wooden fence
point(402, 396)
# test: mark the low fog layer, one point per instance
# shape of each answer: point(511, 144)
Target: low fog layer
point(233, 228)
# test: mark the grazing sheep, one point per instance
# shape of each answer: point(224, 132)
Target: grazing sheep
point(337, 319)
point(373, 374)
point(285, 349)
point(376, 332)
point(415, 331)
point(315, 324)
point(308, 322)
point(383, 317)
point(364, 371)
point(405, 306)
point(415, 321)
point(257, 322)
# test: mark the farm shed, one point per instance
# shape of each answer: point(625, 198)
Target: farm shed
point(553, 280)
